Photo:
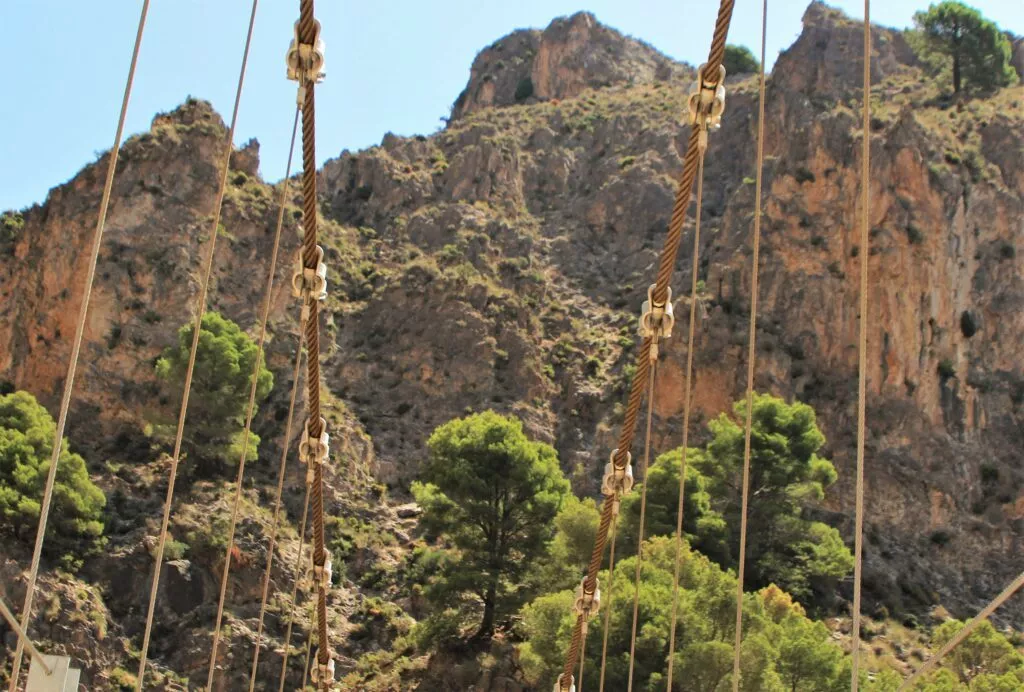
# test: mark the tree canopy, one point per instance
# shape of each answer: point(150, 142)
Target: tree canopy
point(26, 443)
point(493, 495)
point(951, 35)
point(982, 658)
point(220, 390)
point(739, 60)
point(803, 556)
point(781, 650)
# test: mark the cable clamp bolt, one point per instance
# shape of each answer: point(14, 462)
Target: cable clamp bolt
point(315, 450)
point(322, 573)
point(587, 603)
point(707, 103)
point(322, 674)
point(566, 686)
point(617, 480)
point(657, 320)
point(306, 61)
point(310, 281)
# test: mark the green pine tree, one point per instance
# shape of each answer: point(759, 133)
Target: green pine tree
point(954, 36)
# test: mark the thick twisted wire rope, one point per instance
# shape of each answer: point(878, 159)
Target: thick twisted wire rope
point(687, 388)
point(643, 513)
point(751, 358)
point(69, 380)
point(666, 266)
point(862, 347)
point(307, 35)
point(260, 343)
point(196, 329)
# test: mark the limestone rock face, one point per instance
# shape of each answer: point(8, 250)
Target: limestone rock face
point(572, 54)
point(827, 59)
point(501, 263)
point(1017, 57)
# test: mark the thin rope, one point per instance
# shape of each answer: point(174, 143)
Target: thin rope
point(687, 386)
point(608, 608)
point(1014, 586)
point(197, 327)
point(260, 342)
point(665, 269)
point(295, 590)
point(643, 512)
point(23, 637)
point(862, 348)
point(69, 381)
point(751, 360)
point(579, 680)
point(277, 514)
point(309, 650)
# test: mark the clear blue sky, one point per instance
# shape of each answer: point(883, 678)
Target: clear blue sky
point(392, 65)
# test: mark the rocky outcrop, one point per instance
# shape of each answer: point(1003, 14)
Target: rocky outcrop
point(572, 54)
point(827, 61)
point(501, 262)
point(1017, 55)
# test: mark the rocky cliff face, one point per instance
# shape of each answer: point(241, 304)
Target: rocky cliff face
point(501, 264)
point(573, 54)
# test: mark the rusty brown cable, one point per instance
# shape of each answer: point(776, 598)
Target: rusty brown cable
point(862, 347)
point(76, 347)
point(295, 591)
point(645, 465)
point(196, 329)
point(751, 357)
point(666, 267)
point(307, 35)
point(610, 588)
point(965, 631)
point(260, 343)
point(687, 388)
point(272, 543)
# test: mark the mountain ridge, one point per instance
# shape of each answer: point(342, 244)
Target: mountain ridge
point(501, 263)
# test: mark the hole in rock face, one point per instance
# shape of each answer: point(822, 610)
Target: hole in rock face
point(969, 323)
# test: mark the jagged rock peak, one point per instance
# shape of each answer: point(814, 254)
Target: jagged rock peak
point(193, 111)
point(828, 57)
point(572, 54)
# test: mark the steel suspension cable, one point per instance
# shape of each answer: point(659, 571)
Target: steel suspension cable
point(583, 645)
point(751, 357)
point(309, 654)
point(69, 380)
point(295, 591)
point(272, 543)
point(687, 388)
point(862, 346)
point(643, 512)
point(666, 266)
point(965, 631)
point(23, 637)
point(196, 329)
point(608, 608)
point(307, 34)
point(260, 343)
